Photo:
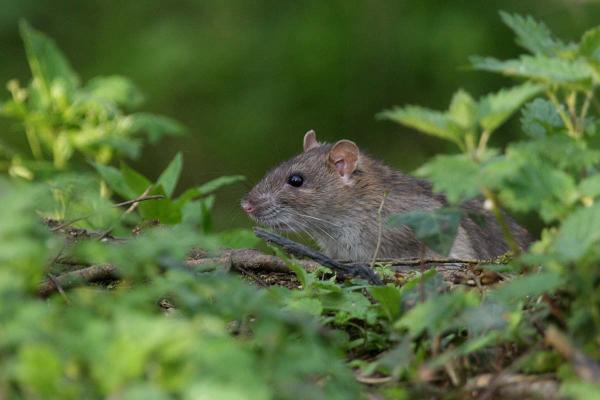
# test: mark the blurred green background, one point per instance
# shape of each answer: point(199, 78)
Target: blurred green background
point(248, 78)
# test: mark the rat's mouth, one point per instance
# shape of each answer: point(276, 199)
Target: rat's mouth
point(272, 219)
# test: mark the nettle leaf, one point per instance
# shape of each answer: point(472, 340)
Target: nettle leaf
point(532, 35)
point(428, 121)
point(48, 64)
point(117, 89)
point(589, 48)
point(463, 110)
point(457, 176)
point(170, 176)
point(578, 233)
point(539, 187)
point(539, 118)
point(495, 108)
point(571, 73)
point(437, 229)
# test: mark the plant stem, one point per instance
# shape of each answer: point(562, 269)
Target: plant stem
point(563, 115)
point(508, 236)
point(483, 140)
point(584, 110)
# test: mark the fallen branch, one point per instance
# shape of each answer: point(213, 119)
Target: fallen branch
point(361, 270)
point(253, 261)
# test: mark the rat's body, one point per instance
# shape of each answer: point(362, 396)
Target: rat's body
point(334, 193)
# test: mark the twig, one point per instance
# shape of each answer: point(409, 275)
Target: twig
point(357, 269)
point(75, 278)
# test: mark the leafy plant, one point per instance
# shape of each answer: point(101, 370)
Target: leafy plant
point(62, 118)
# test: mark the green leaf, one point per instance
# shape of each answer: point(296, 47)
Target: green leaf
point(494, 109)
point(437, 229)
point(136, 181)
point(39, 369)
point(590, 186)
point(589, 48)
point(539, 118)
point(170, 176)
point(209, 187)
point(427, 121)
point(578, 233)
point(389, 299)
point(532, 35)
point(580, 390)
point(48, 65)
point(463, 110)
point(436, 314)
point(457, 176)
point(589, 45)
point(116, 181)
point(117, 89)
point(575, 74)
point(539, 187)
point(531, 285)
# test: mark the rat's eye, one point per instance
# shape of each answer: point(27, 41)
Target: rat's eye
point(295, 180)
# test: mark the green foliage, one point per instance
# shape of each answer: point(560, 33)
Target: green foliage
point(227, 338)
point(436, 229)
point(61, 118)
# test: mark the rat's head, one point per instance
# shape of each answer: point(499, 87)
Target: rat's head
point(309, 191)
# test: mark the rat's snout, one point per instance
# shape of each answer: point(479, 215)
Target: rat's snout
point(247, 206)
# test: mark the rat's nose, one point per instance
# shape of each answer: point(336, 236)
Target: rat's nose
point(247, 206)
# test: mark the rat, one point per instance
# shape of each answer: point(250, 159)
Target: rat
point(342, 198)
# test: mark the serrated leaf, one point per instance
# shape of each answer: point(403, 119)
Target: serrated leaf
point(578, 233)
point(170, 176)
point(48, 64)
point(457, 176)
point(115, 181)
point(589, 45)
point(437, 229)
point(463, 110)
point(539, 187)
point(117, 89)
point(428, 121)
point(539, 118)
point(495, 108)
point(532, 35)
point(571, 73)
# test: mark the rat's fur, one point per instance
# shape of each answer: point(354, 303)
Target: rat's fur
point(341, 213)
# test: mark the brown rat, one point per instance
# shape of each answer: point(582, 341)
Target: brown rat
point(334, 193)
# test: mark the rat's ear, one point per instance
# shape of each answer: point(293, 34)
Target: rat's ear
point(344, 158)
point(310, 140)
